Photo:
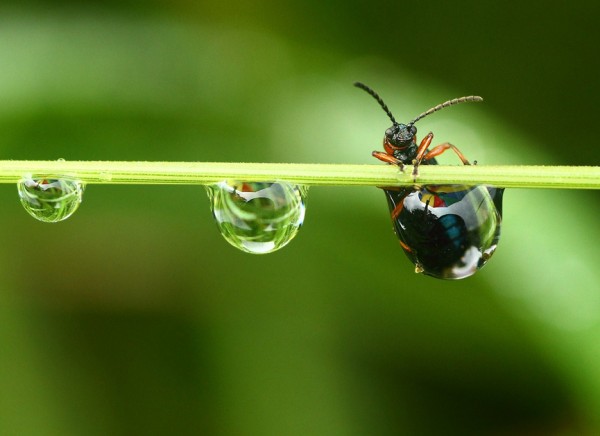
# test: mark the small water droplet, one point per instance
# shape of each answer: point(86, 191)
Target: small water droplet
point(258, 217)
point(50, 199)
point(61, 159)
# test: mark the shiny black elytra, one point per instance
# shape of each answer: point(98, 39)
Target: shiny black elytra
point(447, 231)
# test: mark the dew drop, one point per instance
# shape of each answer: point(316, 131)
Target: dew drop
point(258, 217)
point(447, 231)
point(49, 199)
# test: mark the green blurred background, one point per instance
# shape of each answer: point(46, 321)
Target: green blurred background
point(136, 317)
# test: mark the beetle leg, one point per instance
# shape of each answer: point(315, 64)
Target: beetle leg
point(425, 142)
point(388, 159)
point(439, 149)
point(423, 146)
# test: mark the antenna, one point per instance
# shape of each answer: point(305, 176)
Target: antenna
point(378, 98)
point(474, 98)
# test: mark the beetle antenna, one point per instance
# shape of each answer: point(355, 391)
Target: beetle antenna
point(378, 98)
point(474, 98)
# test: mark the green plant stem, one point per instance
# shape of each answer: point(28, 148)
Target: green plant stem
point(106, 172)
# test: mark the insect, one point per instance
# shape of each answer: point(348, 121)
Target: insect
point(447, 231)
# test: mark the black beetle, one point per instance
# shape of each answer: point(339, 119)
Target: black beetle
point(447, 231)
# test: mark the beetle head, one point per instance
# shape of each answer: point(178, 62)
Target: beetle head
point(400, 135)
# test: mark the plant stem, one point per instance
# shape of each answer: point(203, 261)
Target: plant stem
point(105, 172)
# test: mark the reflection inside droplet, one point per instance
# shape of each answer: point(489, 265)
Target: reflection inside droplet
point(50, 199)
point(447, 231)
point(258, 217)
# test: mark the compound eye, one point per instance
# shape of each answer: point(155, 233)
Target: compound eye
point(413, 130)
point(389, 133)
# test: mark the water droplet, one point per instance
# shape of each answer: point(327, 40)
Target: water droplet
point(447, 231)
point(50, 199)
point(258, 217)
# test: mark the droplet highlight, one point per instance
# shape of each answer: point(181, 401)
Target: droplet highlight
point(258, 217)
point(50, 199)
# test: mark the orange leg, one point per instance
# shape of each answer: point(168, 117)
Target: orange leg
point(423, 147)
point(436, 151)
point(439, 149)
point(425, 142)
point(388, 159)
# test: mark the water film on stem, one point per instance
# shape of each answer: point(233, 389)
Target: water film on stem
point(49, 199)
point(258, 217)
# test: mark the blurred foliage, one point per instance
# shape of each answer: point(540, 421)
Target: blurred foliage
point(135, 316)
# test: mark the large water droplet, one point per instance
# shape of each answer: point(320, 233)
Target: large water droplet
point(447, 231)
point(50, 200)
point(258, 217)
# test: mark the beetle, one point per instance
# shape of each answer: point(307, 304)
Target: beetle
point(447, 231)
